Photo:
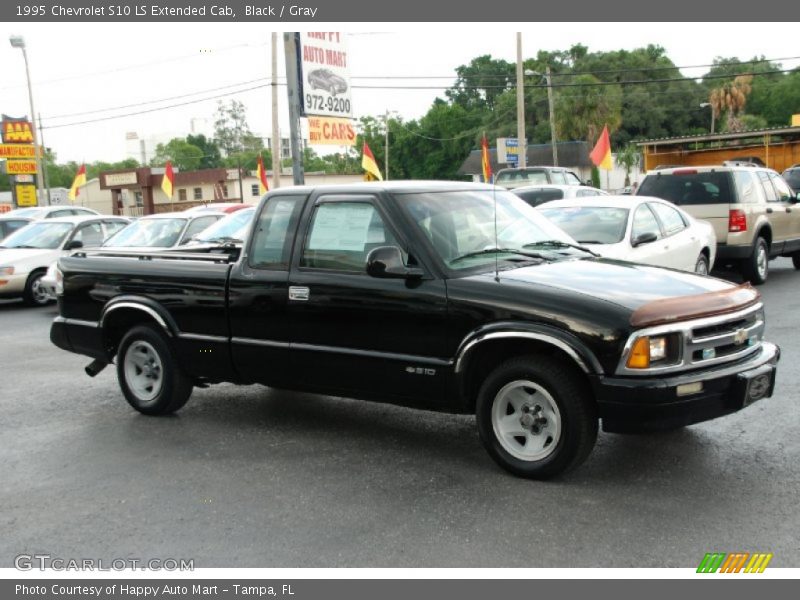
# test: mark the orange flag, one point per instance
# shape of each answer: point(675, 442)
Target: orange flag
point(168, 180)
point(80, 179)
point(486, 165)
point(601, 155)
point(261, 173)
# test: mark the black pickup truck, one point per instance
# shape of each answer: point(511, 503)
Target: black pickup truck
point(454, 297)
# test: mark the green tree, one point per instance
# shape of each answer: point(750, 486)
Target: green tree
point(183, 155)
point(583, 113)
point(231, 131)
point(212, 158)
point(628, 157)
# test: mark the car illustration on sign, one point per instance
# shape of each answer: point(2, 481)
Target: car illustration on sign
point(325, 79)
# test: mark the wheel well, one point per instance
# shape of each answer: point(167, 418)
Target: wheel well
point(118, 322)
point(705, 251)
point(35, 271)
point(766, 233)
point(488, 355)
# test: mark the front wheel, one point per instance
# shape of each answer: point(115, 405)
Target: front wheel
point(536, 417)
point(148, 372)
point(756, 268)
point(35, 294)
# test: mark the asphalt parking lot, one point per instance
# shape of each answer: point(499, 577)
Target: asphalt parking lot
point(251, 477)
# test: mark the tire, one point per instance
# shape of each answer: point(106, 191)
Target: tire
point(701, 266)
point(34, 295)
point(148, 372)
point(755, 269)
point(548, 404)
point(796, 260)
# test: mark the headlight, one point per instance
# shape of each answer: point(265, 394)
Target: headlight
point(6, 270)
point(662, 349)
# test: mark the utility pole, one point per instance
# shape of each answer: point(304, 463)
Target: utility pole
point(44, 163)
point(276, 132)
point(552, 116)
point(522, 146)
point(386, 126)
point(293, 92)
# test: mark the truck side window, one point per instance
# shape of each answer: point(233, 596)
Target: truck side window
point(272, 239)
point(342, 234)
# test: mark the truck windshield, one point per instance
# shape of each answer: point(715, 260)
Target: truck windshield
point(42, 235)
point(150, 233)
point(460, 225)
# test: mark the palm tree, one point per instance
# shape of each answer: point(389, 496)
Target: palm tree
point(731, 97)
point(628, 157)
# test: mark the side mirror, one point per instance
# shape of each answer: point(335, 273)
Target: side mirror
point(74, 245)
point(644, 238)
point(386, 262)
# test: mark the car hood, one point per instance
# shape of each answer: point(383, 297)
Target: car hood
point(628, 285)
point(28, 258)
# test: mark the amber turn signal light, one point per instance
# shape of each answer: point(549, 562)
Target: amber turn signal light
point(639, 357)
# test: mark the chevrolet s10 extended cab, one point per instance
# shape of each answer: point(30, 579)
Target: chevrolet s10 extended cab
point(454, 297)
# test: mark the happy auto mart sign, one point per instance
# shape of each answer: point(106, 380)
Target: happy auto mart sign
point(324, 74)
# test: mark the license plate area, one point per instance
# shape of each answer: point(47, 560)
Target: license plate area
point(756, 384)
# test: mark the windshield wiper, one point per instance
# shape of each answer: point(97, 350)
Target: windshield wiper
point(496, 250)
point(560, 244)
point(224, 240)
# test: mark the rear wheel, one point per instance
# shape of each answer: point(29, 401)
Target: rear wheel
point(701, 266)
point(35, 294)
point(536, 418)
point(756, 268)
point(148, 372)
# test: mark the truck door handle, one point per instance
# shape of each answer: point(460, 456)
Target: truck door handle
point(298, 293)
point(788, 209)
point(769, 210)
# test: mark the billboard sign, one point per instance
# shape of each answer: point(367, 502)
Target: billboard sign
point(508, 151)
point(21, 167)
point(16, 131)
point(17, 151)
point(324, 74)
point(331, 131)
point(26, 194)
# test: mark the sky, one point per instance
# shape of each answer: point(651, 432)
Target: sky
point(78, 70)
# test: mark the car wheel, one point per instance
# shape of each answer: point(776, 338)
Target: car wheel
point(701, 266)
point(35, 294)
point(536, 417)
point(148, 372)
point(756, 268)
point(796, 260)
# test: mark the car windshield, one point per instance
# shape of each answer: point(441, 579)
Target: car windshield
point(152, 233)
point(232, 227)
point(527, 177)
point(43, 235)
point(461, 223)
point(792, 177)
point(25, 212)
point(590, 224)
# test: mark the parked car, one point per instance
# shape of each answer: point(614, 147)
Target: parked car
point(514, 178)
point(327, 80)
point(34, 213)
point(539, 194)
point(224, 207)
point(754, 212)
point(9, 225)
point(26, 254)
point(637, 229)
point(792, 178)
point(163, 231)
point(232, 228)
point(401, 292)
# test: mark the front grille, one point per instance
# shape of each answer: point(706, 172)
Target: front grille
point(704, 342)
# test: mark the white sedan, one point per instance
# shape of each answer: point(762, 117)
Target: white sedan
point(638, 229)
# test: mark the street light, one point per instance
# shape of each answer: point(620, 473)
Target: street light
point(551, 110)
point(17, 41)
point(703, 105)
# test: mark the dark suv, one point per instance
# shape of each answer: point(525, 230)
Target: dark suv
point(754, 212)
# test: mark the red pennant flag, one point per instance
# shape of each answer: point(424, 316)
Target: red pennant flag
point(263, 186)
point(601, 155)
point(80, 179)
point(486, 165)
point(168, 180)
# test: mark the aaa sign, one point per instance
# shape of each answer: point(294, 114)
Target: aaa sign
point(331, 131)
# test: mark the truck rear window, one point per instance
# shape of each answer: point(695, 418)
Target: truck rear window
point(689, 187)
